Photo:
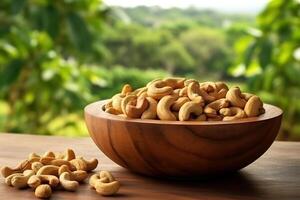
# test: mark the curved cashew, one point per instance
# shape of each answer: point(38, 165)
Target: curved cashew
point(107, 174)
point(85, 165)
point(246, 95)
point(175, 82)
point(150, 113)
point(235, 97)
point(188, 109)
point(159, 89)
point(206, 96)
point(35, 166)
point(49, 154)
point(211, 110)
point(135, 110)
point(107, 189)
point(116, 101)
point(33, 156)
point(179, 102)
point(188, 81)
point(126, 89)
point(48, 170)
point(254, 107)
point(95, 178)
point(78, 175)
point(21, 181)
point(36, 180)
point(9, 178)
point(43, 191)
point(163, 108)
point(56, 162)
point(232, 113)
point(67, 183)
point(126, 100)
point(183, 92)
point(69, 155)
point(20, 168)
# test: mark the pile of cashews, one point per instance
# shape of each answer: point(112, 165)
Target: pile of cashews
point(185, 100)
point(58, 171)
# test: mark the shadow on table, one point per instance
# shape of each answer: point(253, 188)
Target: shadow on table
point(232, 184)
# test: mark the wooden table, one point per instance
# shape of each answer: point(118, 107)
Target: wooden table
point(276, 175)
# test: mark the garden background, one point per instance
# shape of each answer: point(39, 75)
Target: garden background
point(56, 56)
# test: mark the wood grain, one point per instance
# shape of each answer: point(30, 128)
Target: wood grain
point(180, 149)
point(275, 175)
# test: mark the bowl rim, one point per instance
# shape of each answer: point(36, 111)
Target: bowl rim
point(94, 109)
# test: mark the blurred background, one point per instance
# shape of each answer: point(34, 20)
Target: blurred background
point(56, 56)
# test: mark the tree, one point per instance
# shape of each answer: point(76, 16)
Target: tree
point(270, 59)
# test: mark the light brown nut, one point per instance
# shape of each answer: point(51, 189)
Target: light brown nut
point(56, 162)
point(78, 175)
point(247, 96)
point(107, 189)
point(183, 92)
point(188, 81)
point(126, 89)
point(175, 82)
point(36, 180)
point(207, 96)
point(254, 107)
point(212, 108)
point(179, 102)
point(129, 99)
point(135, 110)
point(33, 155)
point(36, 166)
point(95, 178)
point(21, 181)
point(20, 168)
point(116, 101)
point(150, 112)
point(43, 191)
point(49, 154)
point(67, 183)
point(234, 96)
point(188, 109)
point(85, 165)
point(232, 113)
point(163, 108)
point(9, 178)
point(48, 170)
point(159, 89)
point(107, 174)
point(69, 155)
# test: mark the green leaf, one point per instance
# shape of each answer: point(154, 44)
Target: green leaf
point(265, 53)
point(10, 73)
point(80, 35)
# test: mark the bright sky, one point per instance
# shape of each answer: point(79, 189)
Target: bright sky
point(239, 6)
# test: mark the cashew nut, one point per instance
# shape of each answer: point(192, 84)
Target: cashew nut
point(163, 108)
point(49, 154)
point(126, 89)
point(21, 181)
point(188, 109)
point(135, 110)
point(175, 82)
point(96, 177)
point(48, 170)
point(116, 101)
point(232, 113)
point(150, 112)
point(211, 110)
point(82, 164)
point(159, 89)
point(56, 162)
point(36, 166)
point(43, 191)
point(107, 189)
point(234, 96)
point(9, 178)
point(21, 167)
point(36, 180)
point(179, 102)
point(67, 183)
point(78, 175)
point(254, 107)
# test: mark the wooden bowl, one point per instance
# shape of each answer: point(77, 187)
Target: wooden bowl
point(175, 148)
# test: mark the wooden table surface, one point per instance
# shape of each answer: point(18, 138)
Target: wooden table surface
point(276, 175)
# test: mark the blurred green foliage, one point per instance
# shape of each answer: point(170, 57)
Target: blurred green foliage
point(269, 56)
point(58, 56)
